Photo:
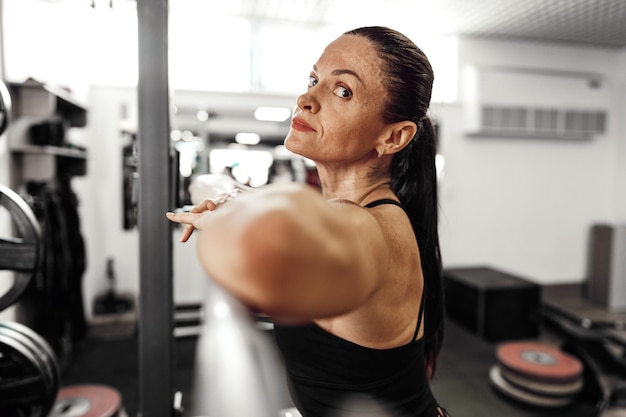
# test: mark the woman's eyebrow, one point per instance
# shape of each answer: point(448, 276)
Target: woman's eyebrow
point(347, 71)
point(343, 71)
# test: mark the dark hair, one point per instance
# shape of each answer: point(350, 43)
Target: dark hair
point(408, 81)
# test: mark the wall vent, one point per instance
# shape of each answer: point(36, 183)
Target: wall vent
point(529, 122)
point(534, 103)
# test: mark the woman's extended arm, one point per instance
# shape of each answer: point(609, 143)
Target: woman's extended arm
point(287, 252)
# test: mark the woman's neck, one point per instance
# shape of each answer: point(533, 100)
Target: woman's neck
point(359, 192)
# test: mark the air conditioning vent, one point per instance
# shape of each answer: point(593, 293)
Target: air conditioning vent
point(534, 103)
point(546, 120)
point(541, 122)
point(507, 118)
point(581, 121)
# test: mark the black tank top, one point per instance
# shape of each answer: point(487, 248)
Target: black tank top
point(329, 375)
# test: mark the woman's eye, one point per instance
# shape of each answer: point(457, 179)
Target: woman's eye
point(342, 92)
point(312, 81)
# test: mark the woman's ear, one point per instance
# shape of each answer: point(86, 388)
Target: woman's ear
point(396, 137)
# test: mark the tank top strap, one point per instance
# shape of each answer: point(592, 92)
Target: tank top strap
point(384, 201)
point(420, 315)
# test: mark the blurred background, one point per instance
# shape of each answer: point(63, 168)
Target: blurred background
point(529, 102)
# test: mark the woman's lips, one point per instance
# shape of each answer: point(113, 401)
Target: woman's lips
point(301, 125)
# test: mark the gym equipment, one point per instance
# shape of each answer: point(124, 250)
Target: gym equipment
point(237, 369)
point(492, 304)
point(5, 107)
point(29, 372)
point(606, 266)
point(594, 390)
point(87, 401)
point(539, 362)
point(537, 374)
point(506, 387)
point(21, 254)
point(597, 348)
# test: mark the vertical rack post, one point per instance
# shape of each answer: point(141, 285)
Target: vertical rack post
point(156, 341)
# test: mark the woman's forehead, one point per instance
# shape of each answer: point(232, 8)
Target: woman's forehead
point(351, 52)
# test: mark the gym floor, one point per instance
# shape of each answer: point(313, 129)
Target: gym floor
point(461, 384)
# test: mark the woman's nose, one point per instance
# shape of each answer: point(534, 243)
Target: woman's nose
point(308, 102)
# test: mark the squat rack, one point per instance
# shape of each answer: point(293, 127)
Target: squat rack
point(156, 310)
point(238, 365)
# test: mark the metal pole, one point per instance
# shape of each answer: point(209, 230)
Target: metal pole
point(2, 68)
point(156, 341)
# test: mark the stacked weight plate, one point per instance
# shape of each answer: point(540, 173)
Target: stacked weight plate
point(29, 372)
point(90, 400)
point(536, 374)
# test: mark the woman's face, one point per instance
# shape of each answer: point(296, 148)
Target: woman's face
point(339, 118)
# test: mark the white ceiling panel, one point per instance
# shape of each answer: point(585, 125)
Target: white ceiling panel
point(591, 22)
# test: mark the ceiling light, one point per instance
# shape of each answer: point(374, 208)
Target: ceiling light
point(247, 138)
point(202, 115)
point(272, 114)
point(176, 135)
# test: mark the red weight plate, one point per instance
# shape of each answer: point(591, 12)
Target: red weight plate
point(87, 401)
point(539, 362)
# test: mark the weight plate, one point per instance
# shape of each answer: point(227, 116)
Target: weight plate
point(539, 362)
point(39, 342)
point(40, 357)
point(511, 391)
point(87, 401)
point(23, 387)
point(5, 107)
point(21, 254)
point(42, 349)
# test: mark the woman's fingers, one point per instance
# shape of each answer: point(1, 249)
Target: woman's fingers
point(190, 217)
point(185, 218)
point(186, 234)
point(205, 205)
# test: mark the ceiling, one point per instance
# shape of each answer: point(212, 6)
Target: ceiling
point(589, 22)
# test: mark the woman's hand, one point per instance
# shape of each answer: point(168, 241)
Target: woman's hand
point(190, 219)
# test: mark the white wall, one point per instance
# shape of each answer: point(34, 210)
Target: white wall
point(526, 205)
point(101, 193)
point(110, 110)
point(619, 189)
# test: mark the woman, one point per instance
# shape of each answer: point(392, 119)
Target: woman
point(351, 275)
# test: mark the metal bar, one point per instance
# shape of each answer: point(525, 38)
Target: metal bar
point(238, 371)
point(156, 320)
point(2, 67)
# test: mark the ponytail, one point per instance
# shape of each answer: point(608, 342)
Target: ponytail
point(414, 181)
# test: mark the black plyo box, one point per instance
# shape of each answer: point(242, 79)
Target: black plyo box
point(493, 304)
